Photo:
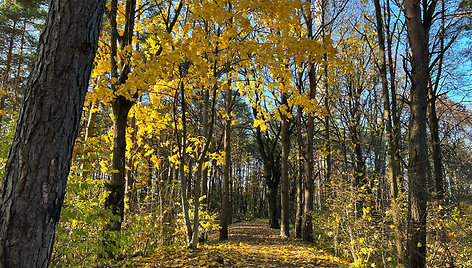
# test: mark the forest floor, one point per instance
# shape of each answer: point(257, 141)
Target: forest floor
point(250, 244)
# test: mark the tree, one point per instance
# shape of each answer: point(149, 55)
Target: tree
point(285, 142)
point(418, 26)
point(389, 117)
point(36, 173)
point(120, 107)
point(225, 206)
point(307, 234)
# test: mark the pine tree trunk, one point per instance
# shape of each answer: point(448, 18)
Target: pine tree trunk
point(36, 173)
point(418, 33)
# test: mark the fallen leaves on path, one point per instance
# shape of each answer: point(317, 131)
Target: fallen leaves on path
point(250, 244)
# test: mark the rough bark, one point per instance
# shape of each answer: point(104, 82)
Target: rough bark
point(418, 35)
point(36, 173)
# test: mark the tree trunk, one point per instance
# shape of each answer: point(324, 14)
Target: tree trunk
point(121, 107)
point(225, 205)
point(285, 141)
point(393, 160)
point(272, 180)
point(310, 178)
point(418, 35)
point(438, 172)
point(206, 103)
point(36, 173)
point(91, 121)
point(116, 186)
point(208, 132)
point(299, 213)
point(436, 150)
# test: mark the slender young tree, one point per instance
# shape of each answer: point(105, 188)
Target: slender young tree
point(225, 205)
point(393, 163)
point(121, 107)
point(36, 173)
point(284, 183)
point(309, 152)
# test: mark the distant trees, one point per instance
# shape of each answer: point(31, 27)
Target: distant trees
point(205, 112)
point(19, 20)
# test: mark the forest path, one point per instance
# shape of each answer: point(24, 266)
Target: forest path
point(250, 244)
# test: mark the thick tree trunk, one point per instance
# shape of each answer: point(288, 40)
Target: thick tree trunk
point(36, 173)
point(418, 35)
point(285, 141)
point(272, 179)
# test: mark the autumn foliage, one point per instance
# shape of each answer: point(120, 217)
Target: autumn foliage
point(301, 81)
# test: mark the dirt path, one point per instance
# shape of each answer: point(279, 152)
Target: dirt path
point(250, 244)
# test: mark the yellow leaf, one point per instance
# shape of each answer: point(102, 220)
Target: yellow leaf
point(149, 152)
point(451, 235)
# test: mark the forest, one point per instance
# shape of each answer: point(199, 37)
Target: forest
point(235, 133)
